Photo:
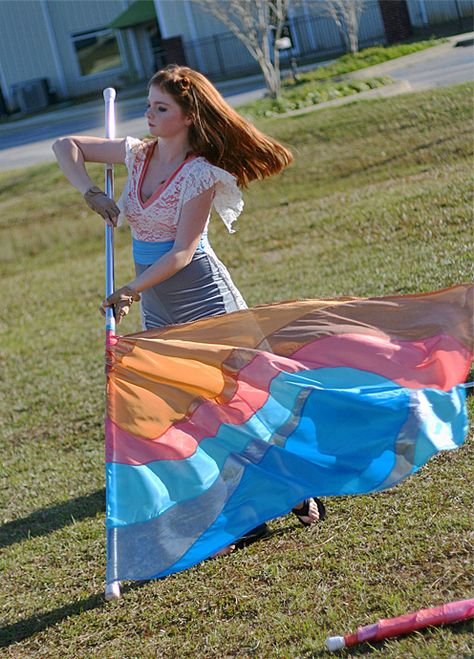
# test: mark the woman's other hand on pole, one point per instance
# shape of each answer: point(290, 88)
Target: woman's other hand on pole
point(121, 300)
point(98, 201)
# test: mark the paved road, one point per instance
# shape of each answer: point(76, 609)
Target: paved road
point(73, 120)
point(455, 66)
point(29, 141)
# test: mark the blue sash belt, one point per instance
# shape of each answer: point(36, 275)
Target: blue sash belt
point(146, 252)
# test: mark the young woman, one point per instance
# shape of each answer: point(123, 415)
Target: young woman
point(201, 153)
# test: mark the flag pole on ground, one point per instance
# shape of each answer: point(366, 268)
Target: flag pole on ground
point(439, 615)
point(112, 588)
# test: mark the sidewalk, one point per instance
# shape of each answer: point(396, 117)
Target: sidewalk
point(415, 58)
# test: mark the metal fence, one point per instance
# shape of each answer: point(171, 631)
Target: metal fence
point(313, 37)
point(447, 10)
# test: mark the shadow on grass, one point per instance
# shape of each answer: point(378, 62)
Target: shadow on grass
point(55, 517)
point(46, 520)
point(19, 631)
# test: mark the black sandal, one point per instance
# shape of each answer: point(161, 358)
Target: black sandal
point(303, 512)
point(259, 532)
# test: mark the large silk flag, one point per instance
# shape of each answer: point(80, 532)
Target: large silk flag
point(216, 426)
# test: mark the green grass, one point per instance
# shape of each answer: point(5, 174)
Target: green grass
point(379, 201)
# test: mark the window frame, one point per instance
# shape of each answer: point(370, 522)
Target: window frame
point(75, 36)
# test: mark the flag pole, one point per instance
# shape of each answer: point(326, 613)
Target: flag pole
point(109, 100)
point(445, 614)
point(112, 588)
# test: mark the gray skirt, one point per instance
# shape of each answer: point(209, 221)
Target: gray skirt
point(203, 288)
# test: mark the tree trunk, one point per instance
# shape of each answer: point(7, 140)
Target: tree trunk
point(346, 15)
point(249, 21)
point(353, 28)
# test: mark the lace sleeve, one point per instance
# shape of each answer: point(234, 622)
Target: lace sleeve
point(228, 198)
point(132, 148)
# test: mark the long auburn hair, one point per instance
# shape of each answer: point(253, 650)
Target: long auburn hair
point(218, 132)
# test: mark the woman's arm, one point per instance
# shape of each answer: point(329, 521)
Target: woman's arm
point(73, 152)
point(190, 227)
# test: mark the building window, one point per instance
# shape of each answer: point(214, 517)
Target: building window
point(97, 51)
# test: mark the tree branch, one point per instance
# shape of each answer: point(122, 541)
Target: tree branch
point(252, 21)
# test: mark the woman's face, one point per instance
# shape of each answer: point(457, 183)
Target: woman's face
point(164, 116)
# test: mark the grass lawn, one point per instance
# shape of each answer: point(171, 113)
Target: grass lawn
point(379, 201)
point(305, 94)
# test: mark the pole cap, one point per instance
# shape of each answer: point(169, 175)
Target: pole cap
point(109, 94)
point(334, 643)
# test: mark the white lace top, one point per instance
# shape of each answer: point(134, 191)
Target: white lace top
point(157, 219)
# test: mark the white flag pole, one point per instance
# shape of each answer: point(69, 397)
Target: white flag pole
point(109, 100)
point(112, 588)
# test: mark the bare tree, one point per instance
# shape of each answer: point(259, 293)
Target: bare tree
point(258, 24)
point(346, 14)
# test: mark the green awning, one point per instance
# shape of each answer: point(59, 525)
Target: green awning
point(141, 11)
